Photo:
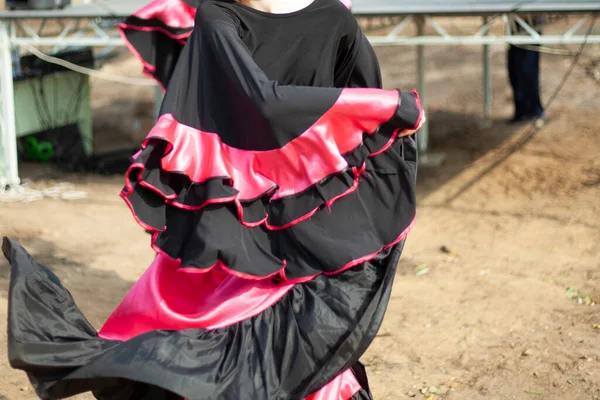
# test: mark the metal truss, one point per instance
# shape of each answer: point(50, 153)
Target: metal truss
point(515, 30)
point(102, 32)
point(94, 32)
point(504, 28)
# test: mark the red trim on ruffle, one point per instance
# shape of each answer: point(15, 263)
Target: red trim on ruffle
point(328, 203)
point(371, 256)
point(147, 66)
point(240, 213)
point(173, 13)
point(421, 120)
point(169, 198)
point(219, 265)
point(404, 132)
point(220, 200)
point(387, 145)
point(281, 272)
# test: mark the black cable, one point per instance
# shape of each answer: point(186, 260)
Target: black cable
point(79, 95)
point(74, 103)
point(33, 95)
point(42, 119)
point(44, 102)
point(55, 81)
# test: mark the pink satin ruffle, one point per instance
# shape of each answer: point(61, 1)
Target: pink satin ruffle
point(168, 298)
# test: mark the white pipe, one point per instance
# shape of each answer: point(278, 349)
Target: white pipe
point(487, 80)
point(9, 170)
point(70, 41)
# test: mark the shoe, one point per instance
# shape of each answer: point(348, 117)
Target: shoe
point(539, 120)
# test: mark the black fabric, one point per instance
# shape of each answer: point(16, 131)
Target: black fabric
point(362, 395)
point(273, 85)
point(524, 74)
point(297, 48)
point(287, 352)
point(406, 116)
point(360, 373)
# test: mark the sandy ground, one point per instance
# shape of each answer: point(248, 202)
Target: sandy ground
point(506, 224)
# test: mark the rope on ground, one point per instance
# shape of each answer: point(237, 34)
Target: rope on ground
point(25, 194)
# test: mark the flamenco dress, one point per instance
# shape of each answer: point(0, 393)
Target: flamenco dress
point(279, 187)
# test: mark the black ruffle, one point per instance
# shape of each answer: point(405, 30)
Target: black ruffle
point(358, 225)
point(179, 190)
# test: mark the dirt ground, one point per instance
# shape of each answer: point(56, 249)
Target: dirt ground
point(495, 294)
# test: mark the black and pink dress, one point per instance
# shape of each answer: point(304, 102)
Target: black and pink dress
point(279, 187)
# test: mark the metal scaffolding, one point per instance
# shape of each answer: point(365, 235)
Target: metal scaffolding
point(94, 25)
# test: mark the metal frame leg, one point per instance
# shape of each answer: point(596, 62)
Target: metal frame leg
point(9, 167)
point(158, 99)
point(425, 156)
point(423, 135)
point(487, 82)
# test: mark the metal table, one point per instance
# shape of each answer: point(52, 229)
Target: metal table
point(422, 13)
point(80, 25)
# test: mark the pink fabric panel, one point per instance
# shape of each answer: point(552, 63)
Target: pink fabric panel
point(168, 298)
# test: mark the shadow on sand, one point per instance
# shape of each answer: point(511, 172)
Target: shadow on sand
point(462, 140)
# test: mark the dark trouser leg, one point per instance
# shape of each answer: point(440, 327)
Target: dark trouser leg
point(524, 74)
point(513, 74)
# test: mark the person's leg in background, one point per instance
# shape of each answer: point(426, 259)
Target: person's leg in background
point(514, 74)
point(524, 75)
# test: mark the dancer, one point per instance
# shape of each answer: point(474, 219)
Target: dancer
point(279, 184)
